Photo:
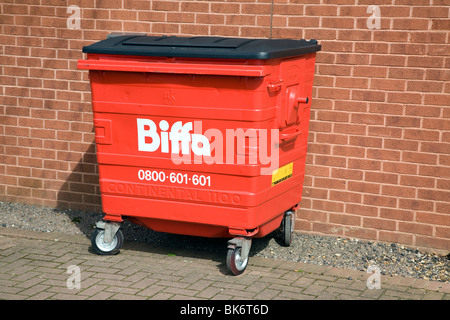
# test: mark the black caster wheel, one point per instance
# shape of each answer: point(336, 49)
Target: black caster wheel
point(287, 228)
point(101, 247)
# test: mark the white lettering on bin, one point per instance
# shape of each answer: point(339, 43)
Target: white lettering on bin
point(179, 134)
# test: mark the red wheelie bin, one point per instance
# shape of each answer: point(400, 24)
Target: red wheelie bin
point(203, 136)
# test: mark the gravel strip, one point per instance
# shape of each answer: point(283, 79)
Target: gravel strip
point(392, 259)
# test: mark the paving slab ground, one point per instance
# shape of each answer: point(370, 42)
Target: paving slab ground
point(39, 266)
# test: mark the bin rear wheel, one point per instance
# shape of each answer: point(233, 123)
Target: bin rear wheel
point(101, 247)
point(235, 263)
point(287, 229)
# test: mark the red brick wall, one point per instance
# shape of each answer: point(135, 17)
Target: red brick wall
point(378, 164)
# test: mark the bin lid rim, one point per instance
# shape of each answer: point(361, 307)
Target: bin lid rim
point(203, 47)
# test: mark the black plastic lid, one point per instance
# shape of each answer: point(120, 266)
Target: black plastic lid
point(203, 47)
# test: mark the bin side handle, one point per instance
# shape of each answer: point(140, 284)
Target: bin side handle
point(177, 68)
point(103, 131)
point(291, 135)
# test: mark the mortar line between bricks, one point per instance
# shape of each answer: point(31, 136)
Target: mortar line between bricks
point(209, 286)
point(45, 236)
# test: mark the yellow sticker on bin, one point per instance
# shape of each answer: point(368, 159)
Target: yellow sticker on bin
point(283, 173)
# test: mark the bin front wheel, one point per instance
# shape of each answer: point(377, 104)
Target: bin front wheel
point(236, 264)
point(103, 248)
